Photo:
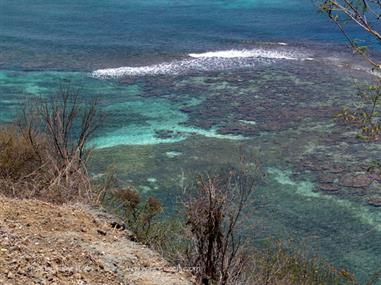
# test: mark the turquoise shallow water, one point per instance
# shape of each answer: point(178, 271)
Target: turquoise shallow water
point(185, 84)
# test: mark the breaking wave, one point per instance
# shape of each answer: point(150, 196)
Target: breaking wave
point(208, 61)
point(255, 53)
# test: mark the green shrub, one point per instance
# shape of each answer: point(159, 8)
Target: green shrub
point(139, 215)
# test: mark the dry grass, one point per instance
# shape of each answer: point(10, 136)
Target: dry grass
point(17, 156)
point(24, 174)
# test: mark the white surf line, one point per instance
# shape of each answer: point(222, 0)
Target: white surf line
point(157, 69)
point(207, 61)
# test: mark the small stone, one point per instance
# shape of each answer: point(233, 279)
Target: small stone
point(328, 187)
point(375, 201)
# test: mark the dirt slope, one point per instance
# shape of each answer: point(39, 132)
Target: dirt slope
point(42, 243)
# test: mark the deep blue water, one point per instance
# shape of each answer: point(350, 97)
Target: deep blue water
point(85, 34)
point(199, 80)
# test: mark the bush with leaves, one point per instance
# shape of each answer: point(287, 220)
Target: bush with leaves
point(365, 113)
point(140, 216)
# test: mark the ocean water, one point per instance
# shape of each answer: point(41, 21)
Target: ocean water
point(88, 34)
point(186, 85)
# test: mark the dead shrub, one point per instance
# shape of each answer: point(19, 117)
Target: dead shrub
point(213, 216)
point(44, 154)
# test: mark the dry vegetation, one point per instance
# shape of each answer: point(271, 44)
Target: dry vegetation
point(43, 154)
point(212, 216)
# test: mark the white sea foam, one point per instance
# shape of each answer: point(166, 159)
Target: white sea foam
point(174, 68)
point(208, 61)
point(255, 53)
point(164, 68)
